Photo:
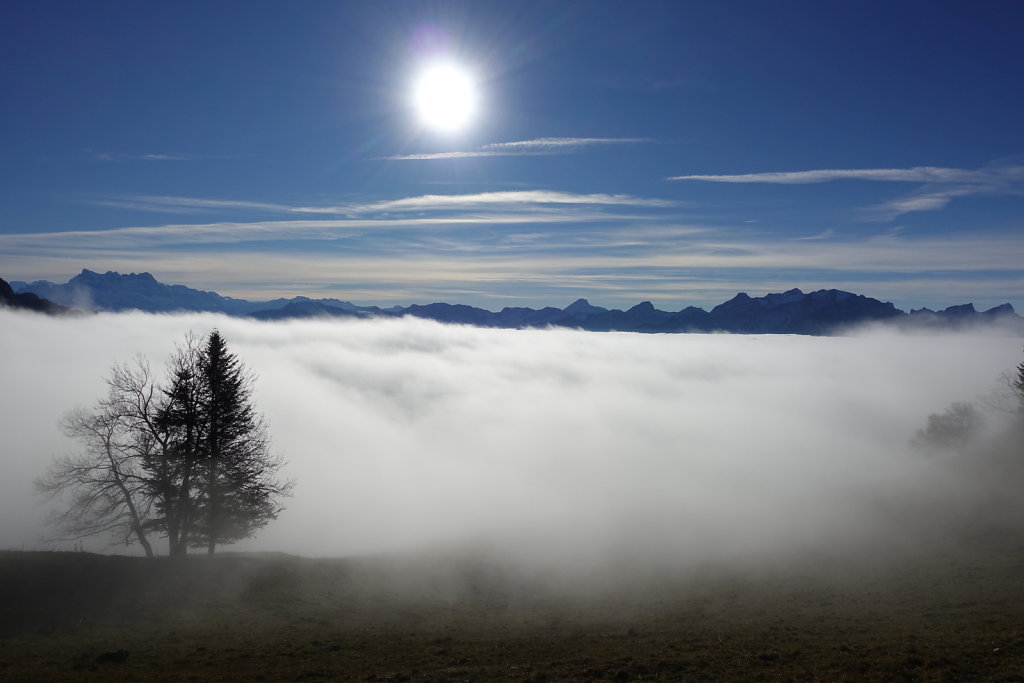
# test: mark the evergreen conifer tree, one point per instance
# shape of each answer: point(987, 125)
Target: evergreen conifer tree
point(237, 493)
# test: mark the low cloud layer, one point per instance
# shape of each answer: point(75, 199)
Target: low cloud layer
point(565, 446)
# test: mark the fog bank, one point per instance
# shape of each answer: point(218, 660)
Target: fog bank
point(556, 445)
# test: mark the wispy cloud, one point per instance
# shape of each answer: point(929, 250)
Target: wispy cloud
point(823, 235)
point(939, 185)
point(918, 174)
point(936, 196)
point(204, 235)
point(922, 201)
point(547, 144)
point(529, 246)
point(447, 155)
point(165, 204)
point(701, 269)
point(116, 156)
point(540, 197)
point(536, 146)
point(518, 198)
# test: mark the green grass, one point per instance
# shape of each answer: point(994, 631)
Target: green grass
point(950, 615)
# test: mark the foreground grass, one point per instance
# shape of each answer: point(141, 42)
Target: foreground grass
point(954, 616)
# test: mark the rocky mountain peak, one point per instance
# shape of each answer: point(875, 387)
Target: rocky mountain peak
point(583, 307)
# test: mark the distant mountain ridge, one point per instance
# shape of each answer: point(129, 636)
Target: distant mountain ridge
point(27, 300)
point(793, 312)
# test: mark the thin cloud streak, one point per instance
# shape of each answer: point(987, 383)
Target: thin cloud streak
point(929, 199)
point(536, 146)
point(438, 201)
point(446, 155)
point(112, 156)
point(824, 235)
point(531, 273)
point(309, 230)
point(161, 203)
point(560, 143)
point(494, 283)
point(682, 248)
point(516, 198)
point(918, 174)
point(941, 185)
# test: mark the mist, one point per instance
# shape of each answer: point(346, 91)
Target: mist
point(558, 448)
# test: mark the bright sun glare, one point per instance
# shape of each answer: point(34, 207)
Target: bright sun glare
point(445, 97)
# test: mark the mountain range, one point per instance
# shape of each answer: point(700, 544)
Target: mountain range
point(793, 312)
point(27, 300)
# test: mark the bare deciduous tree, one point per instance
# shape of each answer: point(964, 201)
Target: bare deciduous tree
point(109, 492)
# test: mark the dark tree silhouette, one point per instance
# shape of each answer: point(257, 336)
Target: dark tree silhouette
point(188, 458)
point(105, 482)
point(237, 492)
point(178, 425)
point(1017, 384)
point(952, 430)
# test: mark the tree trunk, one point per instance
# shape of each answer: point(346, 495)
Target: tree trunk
point(140, 533)
point(185, 510)
point(126, 495)
point(143, 541)
point(175, 548)
point(214, 495)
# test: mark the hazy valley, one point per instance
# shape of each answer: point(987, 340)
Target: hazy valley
point(530, 504)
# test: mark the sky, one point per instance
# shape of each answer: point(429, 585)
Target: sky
point(676, 152)
point(563, 449)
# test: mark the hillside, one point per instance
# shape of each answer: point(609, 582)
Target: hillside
point(955, 616)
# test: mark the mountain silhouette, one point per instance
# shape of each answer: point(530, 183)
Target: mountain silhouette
point(825, 311)
point(27, 300)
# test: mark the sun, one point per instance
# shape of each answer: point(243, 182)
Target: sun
point(445, 97)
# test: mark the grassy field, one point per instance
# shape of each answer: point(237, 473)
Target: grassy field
point(949, 616)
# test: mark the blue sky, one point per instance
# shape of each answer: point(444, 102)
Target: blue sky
point(676, 152)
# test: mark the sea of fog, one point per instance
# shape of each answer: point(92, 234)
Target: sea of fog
point(558, 445)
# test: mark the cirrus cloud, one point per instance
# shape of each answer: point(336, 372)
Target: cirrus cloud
point(918, 174)
point(535, 146)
